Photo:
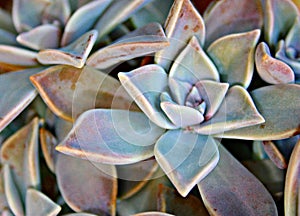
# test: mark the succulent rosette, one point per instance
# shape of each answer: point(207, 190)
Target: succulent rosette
point(277, 57)
point(76, 34)
point(192, 95)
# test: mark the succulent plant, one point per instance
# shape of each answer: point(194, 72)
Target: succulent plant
point(132, 118)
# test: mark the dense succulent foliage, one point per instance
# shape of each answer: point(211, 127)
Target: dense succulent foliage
point(106, 112)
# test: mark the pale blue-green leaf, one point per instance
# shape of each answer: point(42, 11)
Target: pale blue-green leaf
point(103, 90)
point(155, 11)
point(191, 66)
point(116, 13)
point(292, 182)
point(79, 214)
point(76, 4)
point(290, 59)
point(57, 11)
point(258, 150)
point(271, 69)
point(145, 84)
point(141, 42)
point(7, 38)
point(48, 144)
point(75, 54)
point(186, 158)
point(6, 22)
point(279, 105)
point(182, 24)
point(181, 116)
point(279, 16)
point(213, 94)
point(42, 37)
point(31, 166)
point(13, 153)
point(291, 39)
point(17, 56)
point(230, 189)
point(27, 14)
point(11, 191)
point(62, 128)
point(17, 93)
point(234, 57)
point(111, 136)
point(82, 20)
point(274, 154)
point(87, 186)
point(237, 110)
point(179, 90)
point(153, 213)
point(133, 177)
point(229, 17)
point(39, 204)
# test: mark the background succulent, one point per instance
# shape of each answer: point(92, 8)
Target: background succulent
point(88, 41)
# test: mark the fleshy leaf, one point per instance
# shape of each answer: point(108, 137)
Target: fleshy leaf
point(62, 128)
point(182, 24)
point(74, 54)
point(191, 66)
point(38, 203)
point(86, 186)
point(48, 143)
point(147, 94)
point(103, 90)
point(271, 69)
point(17, 56)
point(234, 57)
point(111, 136)
point(170, 201)
point(291, 189)
point(236, 111)
point(223, 18)
point(27, 13)
point(144, 41)
point(274, 154)
point(230, 189)
point(11, 191)
point(278, 19)
point(291, 38)
point(6, 22)
point(17, 93)
point(279, 105)
point(116, 13)
point(41, 37)
point(186, 158)
point(133, 177)
point(180, 116)
point(82, 20)
point(213, 94)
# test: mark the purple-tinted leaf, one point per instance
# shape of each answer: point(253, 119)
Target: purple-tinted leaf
point(228, 17)
point(182, 24)
point(274, 154)
point(153, 213)
point(234, 57)
point(271, 69)
point(111, 136)
point(186, 158)
point(230, 189)
point(87, 187)
point(279, 105)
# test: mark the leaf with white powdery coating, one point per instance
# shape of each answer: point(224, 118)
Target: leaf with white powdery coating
point(279, 105)
point(230, 189)
point(111, 136)
point(177, 150)
point(234, 57)
point(182, 23)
